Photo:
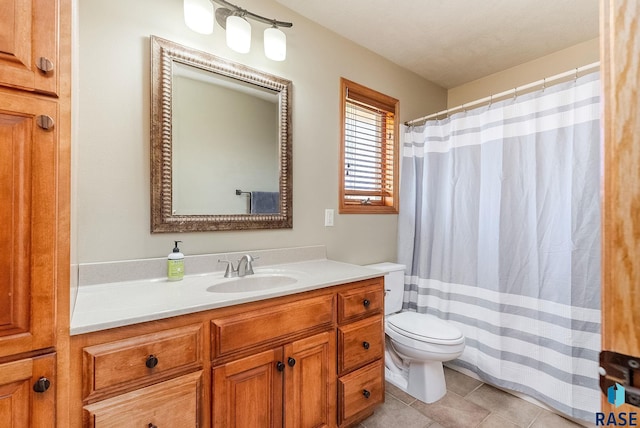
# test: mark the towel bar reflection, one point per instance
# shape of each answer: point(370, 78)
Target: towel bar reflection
point(240, 192)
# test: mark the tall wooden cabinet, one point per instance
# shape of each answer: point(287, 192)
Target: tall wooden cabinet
point(34, 206)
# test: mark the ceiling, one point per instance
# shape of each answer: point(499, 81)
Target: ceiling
point(452, 42)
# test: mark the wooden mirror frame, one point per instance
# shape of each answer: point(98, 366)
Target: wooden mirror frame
point(163, 55)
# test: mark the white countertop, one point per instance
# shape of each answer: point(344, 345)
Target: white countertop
point(103, 306)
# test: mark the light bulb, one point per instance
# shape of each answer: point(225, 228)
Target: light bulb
point(238, 34)
point(198, 15)
point(275, 44)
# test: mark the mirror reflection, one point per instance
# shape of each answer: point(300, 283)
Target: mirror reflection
point(225, 160)
point(221, 145)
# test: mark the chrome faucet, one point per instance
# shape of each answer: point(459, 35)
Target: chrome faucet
point(244, 267)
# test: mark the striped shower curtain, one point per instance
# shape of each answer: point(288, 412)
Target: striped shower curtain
point(499, 228)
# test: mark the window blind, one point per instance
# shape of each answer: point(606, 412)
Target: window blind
point(368, 153)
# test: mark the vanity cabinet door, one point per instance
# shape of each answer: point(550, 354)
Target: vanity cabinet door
point(292, 386)
point(248, 392)
point(310, 387)
point(29, 45)
point(28, 143)
point(173, 403)
point(27, 393)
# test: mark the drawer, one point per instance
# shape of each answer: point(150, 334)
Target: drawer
point(270, 324)
point(361, 302)
point(173, 403)
point(360, 343)
point(140, 360)
point(359, 392)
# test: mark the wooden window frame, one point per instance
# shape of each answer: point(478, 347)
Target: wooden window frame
point(376, 101)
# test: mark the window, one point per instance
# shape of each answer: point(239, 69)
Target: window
point(368, 151)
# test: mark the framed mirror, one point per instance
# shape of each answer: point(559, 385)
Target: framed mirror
point(220, 143)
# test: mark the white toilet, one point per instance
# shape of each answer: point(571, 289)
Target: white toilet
point(416, 344)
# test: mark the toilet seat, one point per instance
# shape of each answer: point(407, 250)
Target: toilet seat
point(424, 328)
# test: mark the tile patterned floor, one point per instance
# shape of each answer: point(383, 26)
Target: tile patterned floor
point(469, 403)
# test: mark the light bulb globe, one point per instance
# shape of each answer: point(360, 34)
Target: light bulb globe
point(275, 44)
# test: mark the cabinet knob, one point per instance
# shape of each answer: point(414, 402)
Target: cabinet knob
point(45, 122)
point(365, 345)
point(44, 64)
point(280, 366)
point(152, 361)
point(291, 361)
point(41, 385)
point(151, 425)
point(366, 393)
point(366, 303)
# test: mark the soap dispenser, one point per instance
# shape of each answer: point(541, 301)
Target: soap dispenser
point(175, 264)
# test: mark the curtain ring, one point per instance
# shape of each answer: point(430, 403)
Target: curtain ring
point(544, 84)
point(576, 77)
point(490, 99)
point(515, 93)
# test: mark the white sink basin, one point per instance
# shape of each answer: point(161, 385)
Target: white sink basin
point(251, 283)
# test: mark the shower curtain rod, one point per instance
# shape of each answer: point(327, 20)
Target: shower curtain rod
point(514, 92)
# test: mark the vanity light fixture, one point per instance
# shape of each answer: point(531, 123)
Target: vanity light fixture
point(234, 19)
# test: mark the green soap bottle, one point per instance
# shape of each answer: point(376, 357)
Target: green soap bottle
point(175, 264)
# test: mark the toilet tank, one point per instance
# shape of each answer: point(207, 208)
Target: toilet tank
point(393, 285)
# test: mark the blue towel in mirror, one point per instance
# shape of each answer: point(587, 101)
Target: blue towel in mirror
point(265, 202)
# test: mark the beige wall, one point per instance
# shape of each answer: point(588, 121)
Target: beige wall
point(111, 111)
point(567, 59)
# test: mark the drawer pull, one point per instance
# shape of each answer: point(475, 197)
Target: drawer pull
point(152, 425)
point(365, 345)
point(291, 361)
point(152, 361)
point(41, 385)
point(366, 393)
point(280, 366)
point(366, 303)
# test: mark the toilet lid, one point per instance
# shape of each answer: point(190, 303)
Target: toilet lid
point(423, 327)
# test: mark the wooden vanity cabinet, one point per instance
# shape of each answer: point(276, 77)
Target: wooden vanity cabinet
point(293, 361)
